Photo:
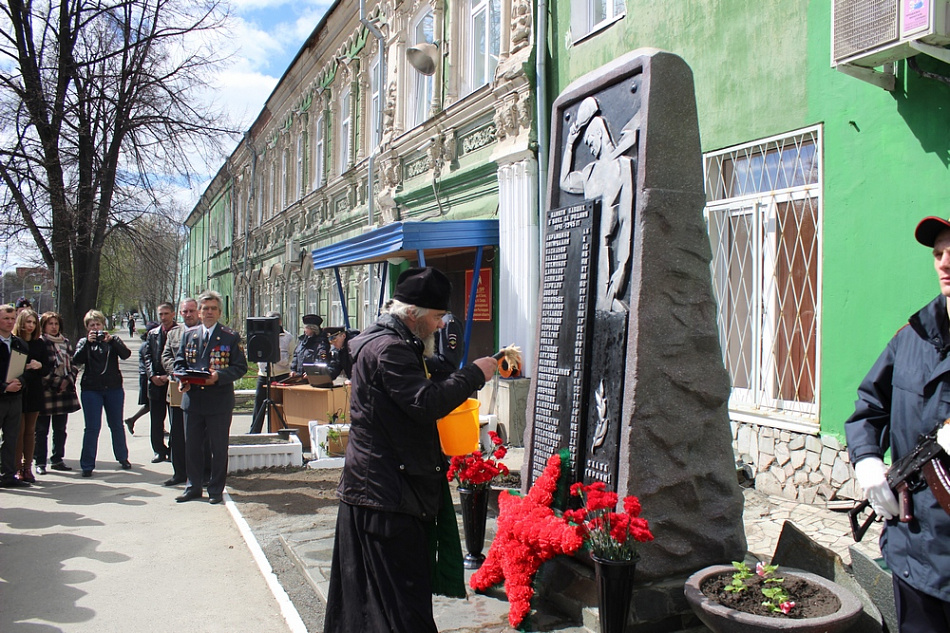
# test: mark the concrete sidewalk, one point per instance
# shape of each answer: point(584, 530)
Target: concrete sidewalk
point(116, 553)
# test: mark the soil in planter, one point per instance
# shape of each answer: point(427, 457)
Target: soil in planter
point(811, 601)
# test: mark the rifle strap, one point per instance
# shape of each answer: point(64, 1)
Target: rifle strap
point(938, 480)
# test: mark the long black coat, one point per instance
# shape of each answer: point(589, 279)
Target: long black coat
point(32, 379)
point(394, 461)
point(906, 393)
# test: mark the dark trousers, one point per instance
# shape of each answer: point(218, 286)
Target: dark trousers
point(11, 407)
point(257, 424)
point(176, 441)
point(43, 424)
point(212, 428)
point(156, 413)
point(918, 612)
point(380, 579)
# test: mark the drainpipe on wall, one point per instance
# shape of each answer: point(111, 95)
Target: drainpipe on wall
point(540, 52)
point(371, 160)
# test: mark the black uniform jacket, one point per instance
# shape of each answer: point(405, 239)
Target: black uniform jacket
point(225, 355)
point(394, 461)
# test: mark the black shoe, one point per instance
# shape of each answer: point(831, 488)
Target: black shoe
point(41, 469)
point(215, 500)
point(129, 422)
point(126, 464)
point(189, 495)
point(87, 473)
point(174, 482)
point(60, 466)
point(12, 482)
point(159, 458)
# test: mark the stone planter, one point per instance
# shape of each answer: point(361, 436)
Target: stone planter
point(263, 450)
point(723, 619)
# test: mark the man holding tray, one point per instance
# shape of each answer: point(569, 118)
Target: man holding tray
point(209, 360)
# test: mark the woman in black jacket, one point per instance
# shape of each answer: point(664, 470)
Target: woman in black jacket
point(101, 384)
point(37, 366)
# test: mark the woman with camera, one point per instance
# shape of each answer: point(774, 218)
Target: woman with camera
point(59, 395)
point(101, 384)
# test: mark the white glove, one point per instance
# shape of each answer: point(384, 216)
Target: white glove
point(871, 475)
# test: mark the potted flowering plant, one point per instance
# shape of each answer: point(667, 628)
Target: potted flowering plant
point(734, 599)
point(611, 537)
point(474, 473)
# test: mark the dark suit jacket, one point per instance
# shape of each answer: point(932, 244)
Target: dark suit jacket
point(225, 354)
point(16, 344)
point(154, 344)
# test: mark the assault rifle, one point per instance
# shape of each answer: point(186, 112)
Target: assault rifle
point(921, 467)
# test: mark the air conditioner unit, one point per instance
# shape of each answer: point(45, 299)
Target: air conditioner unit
point(871, 33)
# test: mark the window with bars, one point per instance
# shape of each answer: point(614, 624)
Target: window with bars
point(764, 218)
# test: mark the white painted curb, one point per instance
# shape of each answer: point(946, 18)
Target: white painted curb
point(287, 608)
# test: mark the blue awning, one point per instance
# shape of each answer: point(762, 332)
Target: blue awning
point(409, 240)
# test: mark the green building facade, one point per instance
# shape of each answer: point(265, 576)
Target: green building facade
point(815, 181)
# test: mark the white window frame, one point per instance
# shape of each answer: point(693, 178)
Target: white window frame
point(272, 190)
point(423, 86)
point(375, 133)
point(284, 180)
point(319, 151)
point(751, 272)
point(346, 123)
point(301, 144)
point(591, 16)
point(481, 60)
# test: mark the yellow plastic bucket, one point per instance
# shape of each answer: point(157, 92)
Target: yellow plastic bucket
point(458, 431)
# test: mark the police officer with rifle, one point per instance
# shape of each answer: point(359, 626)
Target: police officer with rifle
point(902, 402)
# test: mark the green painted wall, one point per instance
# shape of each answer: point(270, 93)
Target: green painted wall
point(885, 167)
point(762, 69)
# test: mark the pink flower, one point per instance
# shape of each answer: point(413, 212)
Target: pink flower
point(786, 606)
point(760, 569)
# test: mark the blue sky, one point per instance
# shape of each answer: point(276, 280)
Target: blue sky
point(263, 39)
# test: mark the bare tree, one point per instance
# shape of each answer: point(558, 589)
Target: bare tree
point(139, 266)
point(99, 109)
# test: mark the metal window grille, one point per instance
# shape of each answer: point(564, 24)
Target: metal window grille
point(764, 220)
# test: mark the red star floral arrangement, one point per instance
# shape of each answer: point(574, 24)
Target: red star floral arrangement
point(529, 534)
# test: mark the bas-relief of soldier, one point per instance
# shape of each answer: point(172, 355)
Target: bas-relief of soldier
point(609, 178)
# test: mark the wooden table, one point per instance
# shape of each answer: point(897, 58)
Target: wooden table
point(302, 403)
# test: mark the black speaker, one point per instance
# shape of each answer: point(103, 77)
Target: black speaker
point(263, 339)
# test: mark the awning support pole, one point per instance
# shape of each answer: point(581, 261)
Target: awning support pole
point(339, 287)
point(471, 304)
point(382, 287)
point(421, 254)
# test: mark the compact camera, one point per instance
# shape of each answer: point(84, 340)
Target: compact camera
point(100, 336)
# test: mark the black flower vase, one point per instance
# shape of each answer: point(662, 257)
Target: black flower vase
point(474, 502)
point(614, 588)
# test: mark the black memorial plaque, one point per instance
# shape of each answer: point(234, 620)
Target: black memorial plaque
point(561, 391)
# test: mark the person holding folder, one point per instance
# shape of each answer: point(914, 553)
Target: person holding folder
point(13, 353)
